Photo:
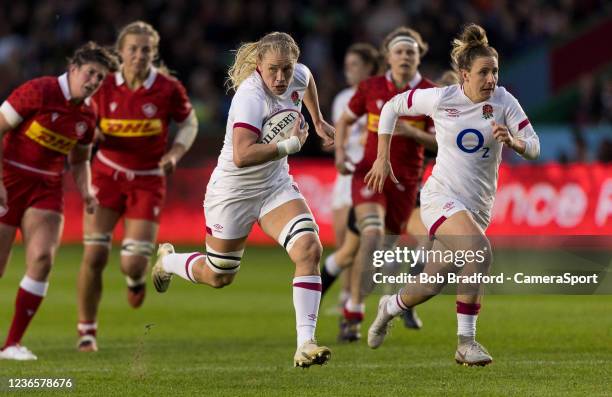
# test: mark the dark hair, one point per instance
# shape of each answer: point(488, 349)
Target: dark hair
point(368, 54)
point(404, 31)
point(472, 43)
point(91, 52)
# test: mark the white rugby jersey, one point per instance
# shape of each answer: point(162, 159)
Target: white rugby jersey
point(468, 156)
point(354, 148)
point(251, 105)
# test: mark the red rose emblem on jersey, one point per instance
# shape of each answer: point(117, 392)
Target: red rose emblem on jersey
point(487, 111)
point(295, 98)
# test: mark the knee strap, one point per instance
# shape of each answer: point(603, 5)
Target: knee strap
point(223, 262)
point(296, 228)
point(102, 239)
point(370, 222)
point(131, 247)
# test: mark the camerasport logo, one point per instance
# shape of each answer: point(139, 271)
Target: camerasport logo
point(487, 111)
point(295, 98)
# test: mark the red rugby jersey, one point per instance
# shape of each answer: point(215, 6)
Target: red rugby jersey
point(406, 155)
point(48, 125)
point(135, 123)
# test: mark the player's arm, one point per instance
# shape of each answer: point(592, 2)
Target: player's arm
point(342, 131)
point(410, 103)
point(186, 134)
point(418, 135)
point(322, 127)
point(78, 158)
point(247, 152)
point(518, 134)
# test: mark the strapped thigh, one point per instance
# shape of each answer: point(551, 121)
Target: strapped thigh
point(296, 228)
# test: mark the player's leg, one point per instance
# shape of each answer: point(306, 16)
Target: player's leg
point(416, 229)
point(293, 226)
point(97, 234)
point(229, 219)
point(464, 233)
point(343, 257)
point(370, 220)
point(458, 232)
point(7, 236)
point(137, 248)
point(41, 234)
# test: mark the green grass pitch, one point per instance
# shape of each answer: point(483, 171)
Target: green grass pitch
point(239, 341)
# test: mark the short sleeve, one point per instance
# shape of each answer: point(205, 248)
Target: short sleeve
point(23, 102)
point(248, 111)
point(516, 119)
point(301, 74)
point(180, 106)
point(357, 104)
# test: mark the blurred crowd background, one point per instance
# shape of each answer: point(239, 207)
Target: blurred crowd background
point(552, 53)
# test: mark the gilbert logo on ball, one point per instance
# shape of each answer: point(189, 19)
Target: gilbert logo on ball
point(279, 125)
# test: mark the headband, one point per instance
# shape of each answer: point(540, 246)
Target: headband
point(402, 40)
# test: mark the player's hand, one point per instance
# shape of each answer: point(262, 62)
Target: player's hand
point(502, 134)
point(168, 163)
point(326, 131)
point(301, 133)
point(99, 135)
point(376, 177)
point(91, 202)
point(343, 164)
point(3, 199)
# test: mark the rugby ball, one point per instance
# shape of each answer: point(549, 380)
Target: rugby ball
point(279, 125)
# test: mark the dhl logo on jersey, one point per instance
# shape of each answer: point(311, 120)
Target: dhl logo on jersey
point(374, 118)
point(131, 128)
point(50, 139)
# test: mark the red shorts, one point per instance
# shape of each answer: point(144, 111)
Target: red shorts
point(138, 197)
point(27, 189)
point(397, 199)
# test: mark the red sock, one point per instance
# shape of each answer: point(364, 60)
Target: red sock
point(26, 306)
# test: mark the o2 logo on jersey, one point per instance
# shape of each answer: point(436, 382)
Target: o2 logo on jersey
point(470, 133)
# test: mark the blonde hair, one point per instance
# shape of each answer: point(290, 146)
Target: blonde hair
point(141, 27)
point(472, 43)
point(247, 56)
point(404, 31)
point(449, 77)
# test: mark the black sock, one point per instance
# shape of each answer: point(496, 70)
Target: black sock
point(326, 280)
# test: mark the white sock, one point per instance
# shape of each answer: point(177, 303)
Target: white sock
point(181, 264)
point(331, 266)
point(395, 305)
point(466, 324)
point(306, 299)
point(354, 307)
point(38, 288)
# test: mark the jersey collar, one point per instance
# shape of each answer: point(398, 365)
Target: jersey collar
point(63, 83)
point(148, 83)
point(416, 80)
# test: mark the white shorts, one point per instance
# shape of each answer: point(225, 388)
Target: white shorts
point(437, 207)
point(231, 212)
point(342, 192)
